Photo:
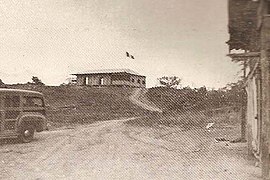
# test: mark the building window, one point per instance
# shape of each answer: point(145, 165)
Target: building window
point(143, 82)
point(132, 80)
point(86, 81)
point(101, 81)
point(139, 81)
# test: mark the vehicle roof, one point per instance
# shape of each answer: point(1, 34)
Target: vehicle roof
point(22, 91)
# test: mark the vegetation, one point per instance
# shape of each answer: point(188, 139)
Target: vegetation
point(1, 83)
point(36, 81)
point(169, 81)
point(75, 104)
point(170, 99)
point(189, 119)
point(189, 108)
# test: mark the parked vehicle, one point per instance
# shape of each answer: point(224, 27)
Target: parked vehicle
point(22, 112)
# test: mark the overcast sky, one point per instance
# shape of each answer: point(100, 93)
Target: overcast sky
point(54, 38)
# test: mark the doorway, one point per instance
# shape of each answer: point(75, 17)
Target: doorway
point(101, 81)
point(86, 81)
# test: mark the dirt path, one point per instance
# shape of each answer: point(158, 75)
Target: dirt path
point(112, 150)
point(138, 98)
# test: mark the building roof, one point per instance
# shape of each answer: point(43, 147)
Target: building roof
point(3, 90)
point(243, 25)
point(108, 71)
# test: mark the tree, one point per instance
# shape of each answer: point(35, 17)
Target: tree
point(169, 81)
point(37, 81)
point(1, 82)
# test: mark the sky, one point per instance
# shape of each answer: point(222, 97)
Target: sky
point(52, 39)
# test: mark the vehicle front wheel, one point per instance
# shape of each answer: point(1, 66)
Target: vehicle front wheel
point(27, 133)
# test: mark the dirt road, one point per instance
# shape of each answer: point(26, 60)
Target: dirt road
point(139, 98)
point(112, 150)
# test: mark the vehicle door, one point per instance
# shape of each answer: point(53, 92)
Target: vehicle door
point(11, 111)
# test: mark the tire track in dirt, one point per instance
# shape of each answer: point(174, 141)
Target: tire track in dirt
point(113, 150)
point(72, 142)
point(148, 141)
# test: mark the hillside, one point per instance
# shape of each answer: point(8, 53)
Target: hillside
point(186, 99)
point(73, 104)
point(78, 105)
point(191, 107)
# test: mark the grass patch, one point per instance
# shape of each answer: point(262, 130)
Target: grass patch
point(82, 105)
point(188, 119)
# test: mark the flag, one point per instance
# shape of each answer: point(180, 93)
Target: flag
point(129, 55)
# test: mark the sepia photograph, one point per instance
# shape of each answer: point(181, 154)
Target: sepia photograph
point(135, 90)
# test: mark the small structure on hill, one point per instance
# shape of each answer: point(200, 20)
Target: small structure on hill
point(111, 77)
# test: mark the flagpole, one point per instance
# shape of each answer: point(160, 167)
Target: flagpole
point(126, 61)
point(129, 63)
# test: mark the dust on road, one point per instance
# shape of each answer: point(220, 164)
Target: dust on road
point(113, 150)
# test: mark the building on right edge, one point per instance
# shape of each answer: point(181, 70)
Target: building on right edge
point(249, 29)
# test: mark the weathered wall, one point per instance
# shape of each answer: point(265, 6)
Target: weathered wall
point(133, 82)
point(93, 80)
point(80, 80)
point(266, 32)
point(243, 25)
point(265, 66)
point(252, 118)
point(136, 83)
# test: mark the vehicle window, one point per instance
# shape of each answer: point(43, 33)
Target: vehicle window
point(12, 101)
point(32, 101)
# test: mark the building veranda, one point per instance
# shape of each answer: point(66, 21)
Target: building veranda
point(249, 29)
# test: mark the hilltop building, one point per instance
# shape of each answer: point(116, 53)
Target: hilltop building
point(111, 77)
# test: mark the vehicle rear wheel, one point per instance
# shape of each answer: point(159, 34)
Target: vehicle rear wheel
point(27, 133)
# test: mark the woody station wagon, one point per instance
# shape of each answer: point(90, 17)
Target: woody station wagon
point(22, 112)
